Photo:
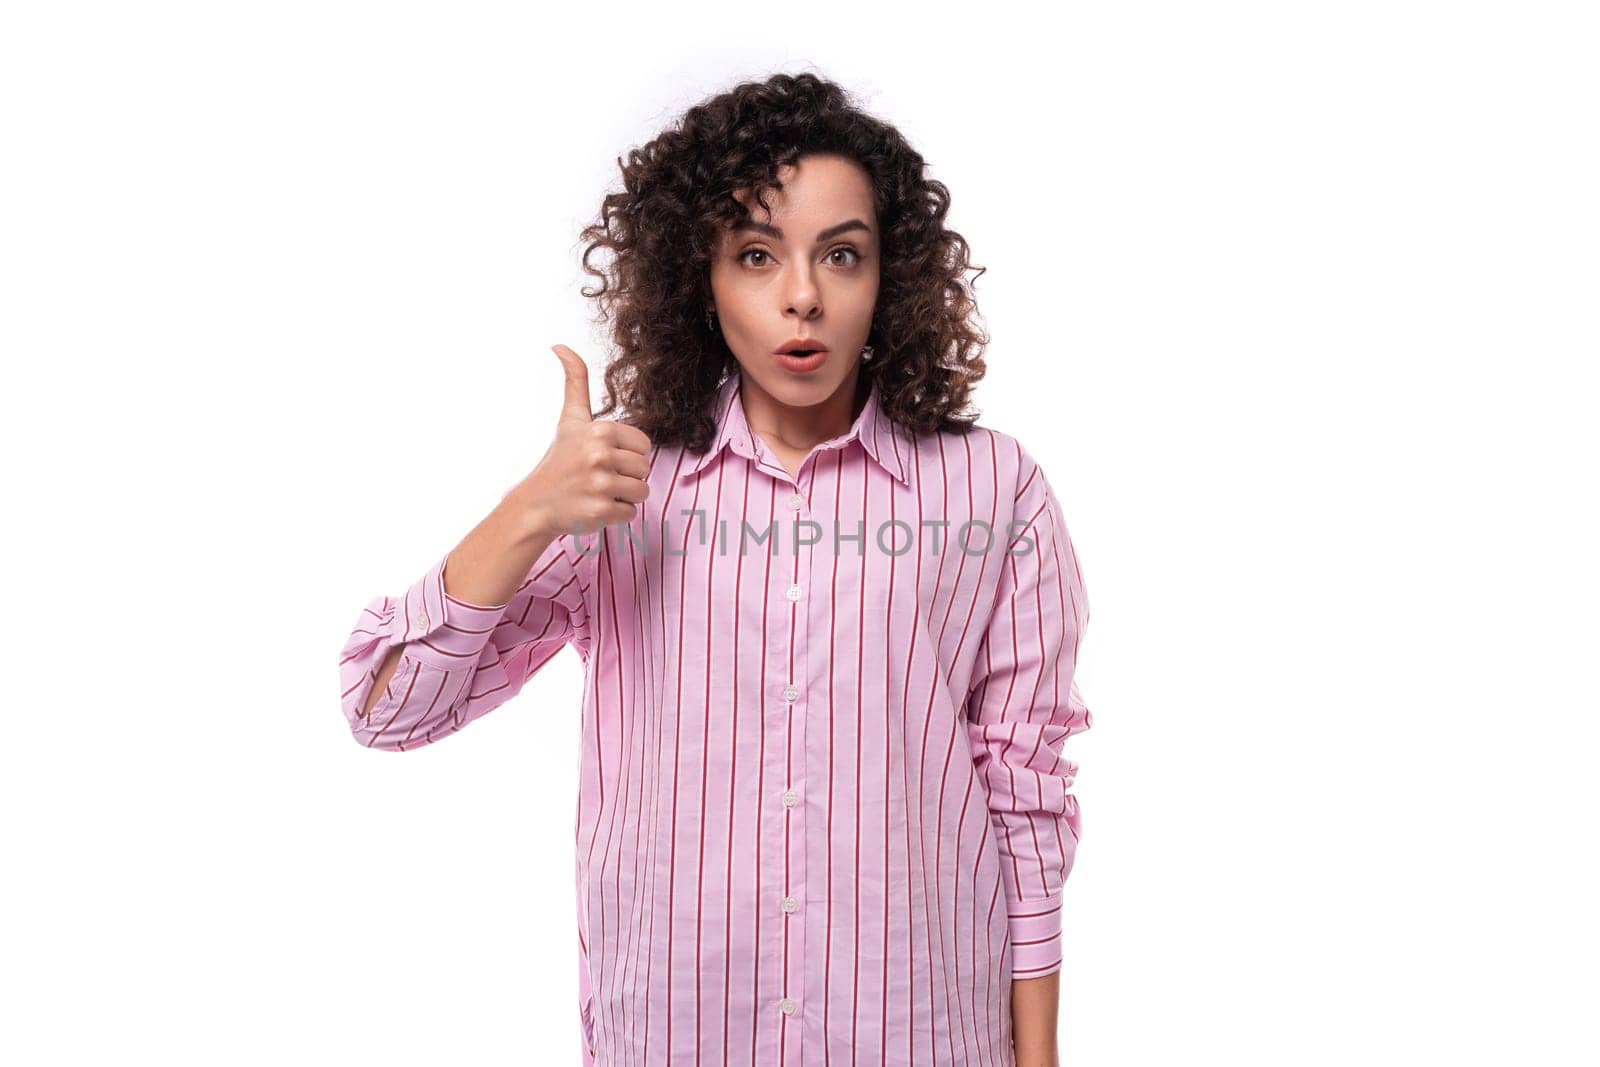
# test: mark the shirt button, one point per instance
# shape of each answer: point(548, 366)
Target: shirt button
point(796, 502)
point(791, 693)
point(790, 904)
point(787, 1005)
point(421, 619)
point(790, 798)
point(793, 593)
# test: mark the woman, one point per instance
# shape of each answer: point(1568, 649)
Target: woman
point(829, 624)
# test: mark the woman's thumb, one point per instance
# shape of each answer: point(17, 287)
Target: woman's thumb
point(576, 403)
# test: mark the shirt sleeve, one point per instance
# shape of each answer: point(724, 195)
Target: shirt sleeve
point(1023, 705)
point(458, 661)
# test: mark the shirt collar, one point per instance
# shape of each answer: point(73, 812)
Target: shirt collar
point(888, 444)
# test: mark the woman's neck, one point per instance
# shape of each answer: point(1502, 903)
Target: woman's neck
point(800, 429)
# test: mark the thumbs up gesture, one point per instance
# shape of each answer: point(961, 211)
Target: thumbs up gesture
point(594, 472)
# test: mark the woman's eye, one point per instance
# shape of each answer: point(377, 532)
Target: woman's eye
point(855, 256)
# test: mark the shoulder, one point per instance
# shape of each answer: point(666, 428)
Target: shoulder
point(992, 453)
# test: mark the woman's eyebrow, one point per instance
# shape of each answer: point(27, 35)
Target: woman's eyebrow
point(831, 231)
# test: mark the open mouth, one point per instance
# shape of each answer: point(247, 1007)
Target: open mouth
point(802, 360)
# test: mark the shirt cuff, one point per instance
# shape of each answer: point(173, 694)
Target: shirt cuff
point(441, 629)
point(1036, 936)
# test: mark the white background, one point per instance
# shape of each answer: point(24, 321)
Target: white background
point(1296, 302)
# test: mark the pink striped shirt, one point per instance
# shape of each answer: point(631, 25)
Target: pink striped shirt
point(823, 808)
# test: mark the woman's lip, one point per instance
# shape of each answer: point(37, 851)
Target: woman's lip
point(801, 364)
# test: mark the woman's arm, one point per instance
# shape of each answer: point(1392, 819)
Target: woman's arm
point(1033, 1020)
point(485, 568)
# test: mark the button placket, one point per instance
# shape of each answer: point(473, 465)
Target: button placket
point(800, 933)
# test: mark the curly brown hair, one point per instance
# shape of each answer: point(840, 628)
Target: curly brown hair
point(664, 228)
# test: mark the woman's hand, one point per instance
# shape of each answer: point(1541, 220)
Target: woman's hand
point(594, 472)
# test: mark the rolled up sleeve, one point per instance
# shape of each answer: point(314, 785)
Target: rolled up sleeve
point(458, 661)
point(1023, 705)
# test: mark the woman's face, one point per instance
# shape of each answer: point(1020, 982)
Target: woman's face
point(807, 269)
